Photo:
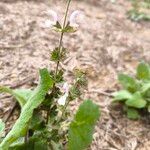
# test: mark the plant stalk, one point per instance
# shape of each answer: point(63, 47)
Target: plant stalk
point(59, 47)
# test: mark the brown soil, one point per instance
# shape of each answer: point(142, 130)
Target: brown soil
point(107, 43)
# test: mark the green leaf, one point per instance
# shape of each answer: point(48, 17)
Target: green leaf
point(37, 97)
point(32, 144)
point(136, 101)
point(143, 71)
point(145, 89)
point(19, 96)
point(57, 27)
point(2, 127)
point(25, 93)
point(128, 82)
point(82, 127)
point(132, 113)
point(121, 95)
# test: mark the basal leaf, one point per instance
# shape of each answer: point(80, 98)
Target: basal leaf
point(122, 95)
point(82, 127)
point(24, 93)
point(128, 82)
point(15, 93)
point(38, 95)
point(143, 71)
point(136, 101)
point(132, 113)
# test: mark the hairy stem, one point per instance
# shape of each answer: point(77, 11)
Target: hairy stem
point(60, 48)
point(61, 36)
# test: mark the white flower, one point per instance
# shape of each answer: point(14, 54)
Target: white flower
point(62, 100)
point(73, 17)
point(54, 15)
point(51, 22)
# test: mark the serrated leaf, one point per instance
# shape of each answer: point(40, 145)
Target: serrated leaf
point(82, 127)
point(136, 101)
point(21, 125)
point(128, 82)
point(132, 113)
point(121, 95)
point(143, 71)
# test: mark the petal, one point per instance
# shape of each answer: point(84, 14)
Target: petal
point(62, 100)
point(47, 24)
point(66, 87)
point(73, 18)
point(53, 14)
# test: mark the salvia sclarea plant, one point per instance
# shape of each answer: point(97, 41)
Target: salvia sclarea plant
point(45, 121)
point(135, 96)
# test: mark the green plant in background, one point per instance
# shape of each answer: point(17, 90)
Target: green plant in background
point(136, 14)
point(45, 121)
point(136, 93)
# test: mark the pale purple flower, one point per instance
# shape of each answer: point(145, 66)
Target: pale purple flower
point(51, 22)
point(73, 18)
point(66, 87)
point(62, 99)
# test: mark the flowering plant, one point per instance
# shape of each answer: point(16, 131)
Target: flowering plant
point(45, 121)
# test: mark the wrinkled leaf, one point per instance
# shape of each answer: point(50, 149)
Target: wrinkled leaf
point(82, 127)
point(143, 71)
point(21, 125)
point(136, 101)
